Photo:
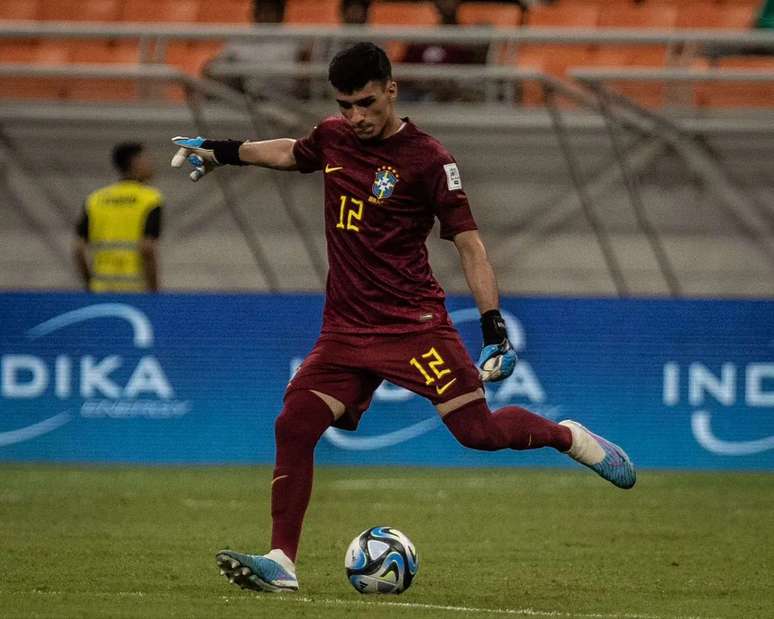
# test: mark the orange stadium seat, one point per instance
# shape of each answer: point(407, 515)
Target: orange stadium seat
point(647, 94)
point(14, 50)
point(191, 57)
point(497, 14)
point(52, 51)
point(739, 17)
point(561, 16)
point(640, 16)
point(313, 12)
point(226, 12)
point(407, 14)
point(403, 14)
point(123, 51)
point(160, 11)
point(755, 4)
point(555, 62)
point(738, 94)
point(55, 52)
point(24, 88)
point(101, 90)
point(655, 15)
point(19, 9)
point(80, 10)
point(86, 50)
point(37, 87)
point(18, 50)
point(551, 58)
point(695, 5)
point(602, 5)
point(660, 16)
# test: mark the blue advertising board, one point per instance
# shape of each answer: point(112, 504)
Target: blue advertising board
point(199, 379)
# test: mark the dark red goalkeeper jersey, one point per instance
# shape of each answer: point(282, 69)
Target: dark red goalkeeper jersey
point(381, 201)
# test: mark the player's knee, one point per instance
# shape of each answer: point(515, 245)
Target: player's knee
point(473, 427)
point(285, 428)
point(303, 419)
point(477, 438)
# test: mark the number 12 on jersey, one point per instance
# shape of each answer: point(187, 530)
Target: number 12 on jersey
point(350, 209)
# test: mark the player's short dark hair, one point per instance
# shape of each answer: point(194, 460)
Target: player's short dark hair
point(124, 153)
point(352, 68)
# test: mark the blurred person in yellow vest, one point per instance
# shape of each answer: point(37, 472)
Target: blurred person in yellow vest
point(117, 235)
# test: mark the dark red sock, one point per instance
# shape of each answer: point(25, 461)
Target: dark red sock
point(476, 427)
point(299, 426)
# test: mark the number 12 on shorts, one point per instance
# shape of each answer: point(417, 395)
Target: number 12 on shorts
point(436, 364)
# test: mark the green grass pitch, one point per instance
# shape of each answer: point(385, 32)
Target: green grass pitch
point(140, 542)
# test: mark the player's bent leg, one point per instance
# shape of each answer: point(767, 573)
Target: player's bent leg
point(474, 425)
point(273, 572)
point(606, 459)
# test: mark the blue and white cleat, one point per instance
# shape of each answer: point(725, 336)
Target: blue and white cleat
point(606, 459)
point(273, 572)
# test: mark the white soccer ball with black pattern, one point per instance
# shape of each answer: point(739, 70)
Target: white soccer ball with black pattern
point(381, 560)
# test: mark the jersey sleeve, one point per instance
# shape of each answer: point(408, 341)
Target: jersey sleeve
point(308, 152)
point(449, 199)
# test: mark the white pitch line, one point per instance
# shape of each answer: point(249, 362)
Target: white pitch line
point(524, 612)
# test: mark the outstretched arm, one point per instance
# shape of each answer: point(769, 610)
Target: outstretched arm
point(497, 359)
point(276, 154)
point(205, 155)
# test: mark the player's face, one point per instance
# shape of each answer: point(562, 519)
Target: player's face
point(370, 111)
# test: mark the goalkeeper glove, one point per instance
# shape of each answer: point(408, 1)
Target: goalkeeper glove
point(205, 155)
point(497, 359)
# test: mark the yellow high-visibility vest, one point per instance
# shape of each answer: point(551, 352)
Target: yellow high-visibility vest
point(117, 215)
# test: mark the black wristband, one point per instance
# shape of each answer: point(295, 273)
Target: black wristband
point(226, 151)
point(493, 327)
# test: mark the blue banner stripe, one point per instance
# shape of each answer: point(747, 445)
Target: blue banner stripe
point(200, 378)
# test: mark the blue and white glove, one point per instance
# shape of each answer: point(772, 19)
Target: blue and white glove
point(497, 359)
point(205, 155)
point(197, 152)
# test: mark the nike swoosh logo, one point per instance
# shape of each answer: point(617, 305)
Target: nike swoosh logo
point(276, 479)
point(329, 168)
point(440, 390)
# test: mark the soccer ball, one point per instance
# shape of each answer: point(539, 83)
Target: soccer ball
point(381, 560)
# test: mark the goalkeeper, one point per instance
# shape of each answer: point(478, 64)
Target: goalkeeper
point(386, 181)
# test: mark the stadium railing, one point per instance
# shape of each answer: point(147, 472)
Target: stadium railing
point(155, 39)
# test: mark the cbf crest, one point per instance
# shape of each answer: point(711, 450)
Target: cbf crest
point(384, 183)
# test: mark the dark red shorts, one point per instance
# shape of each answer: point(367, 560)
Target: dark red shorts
point(433, 364)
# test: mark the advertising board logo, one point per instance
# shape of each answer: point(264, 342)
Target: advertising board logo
point(86, 382)
point(705, 390)
point(522, 385)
